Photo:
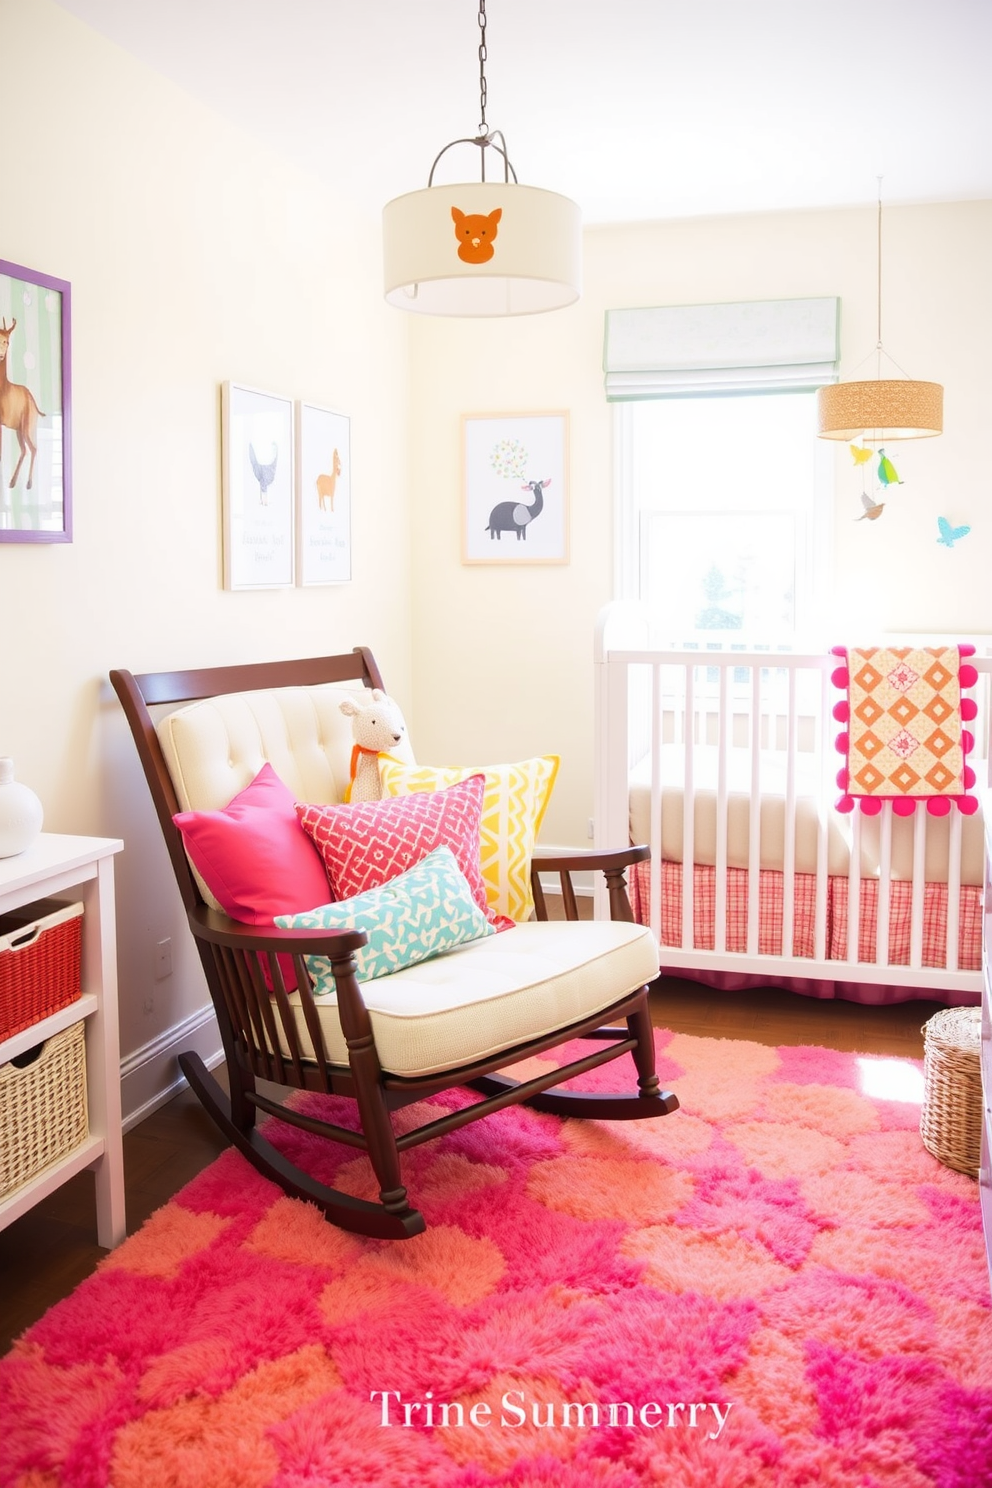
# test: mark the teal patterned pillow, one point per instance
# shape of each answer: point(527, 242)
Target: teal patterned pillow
point(419, 914)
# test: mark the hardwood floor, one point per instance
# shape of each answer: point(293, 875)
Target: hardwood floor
point(47, 1252)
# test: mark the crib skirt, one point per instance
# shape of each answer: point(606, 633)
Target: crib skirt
point(771, 897)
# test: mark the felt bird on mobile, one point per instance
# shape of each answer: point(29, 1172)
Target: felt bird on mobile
point(887, 471)
point(860, 453)
point(949, 534)
point(872, 509)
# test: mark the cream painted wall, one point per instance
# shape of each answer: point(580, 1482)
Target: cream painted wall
point(194, 256)
point(520, 639)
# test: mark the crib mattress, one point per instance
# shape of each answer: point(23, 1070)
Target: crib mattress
point(814, 805)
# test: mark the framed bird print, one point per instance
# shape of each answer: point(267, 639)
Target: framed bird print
point(515, 502)
point(257, 477)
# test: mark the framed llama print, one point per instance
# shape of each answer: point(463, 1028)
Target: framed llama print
point(35, 407)
point(515, 502)
point(323, 499)
point(258, 463)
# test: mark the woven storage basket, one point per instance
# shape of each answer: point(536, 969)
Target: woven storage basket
point(951, 1119)
point(42, 1108)
point(40, 951)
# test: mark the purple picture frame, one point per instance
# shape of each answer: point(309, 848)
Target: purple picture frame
point(35, 407)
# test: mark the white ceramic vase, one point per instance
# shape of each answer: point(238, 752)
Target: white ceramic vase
point(21, 812)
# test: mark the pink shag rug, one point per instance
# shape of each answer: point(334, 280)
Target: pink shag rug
point(774, 1286)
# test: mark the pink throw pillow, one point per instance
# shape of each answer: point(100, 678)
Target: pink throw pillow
point(367, 843)
point(253, 855)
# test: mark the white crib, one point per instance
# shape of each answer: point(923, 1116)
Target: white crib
point(875, 908)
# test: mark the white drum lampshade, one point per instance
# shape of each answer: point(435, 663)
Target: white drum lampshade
point(482, 248)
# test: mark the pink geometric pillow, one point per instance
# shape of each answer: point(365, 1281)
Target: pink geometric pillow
point(253, 855)
point(367, 843)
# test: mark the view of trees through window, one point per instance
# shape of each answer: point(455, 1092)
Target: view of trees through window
point(720, 502)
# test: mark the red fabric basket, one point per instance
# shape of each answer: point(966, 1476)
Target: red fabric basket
point(40, 955)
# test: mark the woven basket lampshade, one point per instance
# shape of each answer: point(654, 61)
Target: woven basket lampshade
point(882, 410)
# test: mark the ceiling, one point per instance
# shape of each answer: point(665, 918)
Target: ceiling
point(639, 109)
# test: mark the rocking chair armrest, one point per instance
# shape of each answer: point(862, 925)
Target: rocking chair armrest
point(612, 864)
point(220, 929)
point(265, 943)
point(595, 859)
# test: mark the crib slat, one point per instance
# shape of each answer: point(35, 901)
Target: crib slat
point(789, 843)
point(883, 914)
point(722, 809)
point(754, 817)
point(953, 888)
point(823, 761)
point(657, 798)
point(919, 888)
point(688, 816)
point(854, 890)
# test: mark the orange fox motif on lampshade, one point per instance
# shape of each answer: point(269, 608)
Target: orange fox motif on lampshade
point(475, 233)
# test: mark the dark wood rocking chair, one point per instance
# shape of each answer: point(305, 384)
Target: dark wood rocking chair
point(270, 1035)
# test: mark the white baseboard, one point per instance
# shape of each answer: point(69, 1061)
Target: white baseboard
point(151, 1075)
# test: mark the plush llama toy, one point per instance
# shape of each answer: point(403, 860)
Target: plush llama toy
point(377, 724)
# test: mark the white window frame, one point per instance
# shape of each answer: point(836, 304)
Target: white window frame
point(814, 562)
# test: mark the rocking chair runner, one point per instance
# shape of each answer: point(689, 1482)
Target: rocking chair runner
point(548, 982)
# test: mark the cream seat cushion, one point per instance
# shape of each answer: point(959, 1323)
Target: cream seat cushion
point(493, 994)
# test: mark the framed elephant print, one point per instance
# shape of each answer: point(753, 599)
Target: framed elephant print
point(515, 502)
point(35, 407)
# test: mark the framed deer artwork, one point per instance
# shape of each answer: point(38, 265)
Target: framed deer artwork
point(323, 496)
point(35, 407)
point(258, 462)
point(515, 499)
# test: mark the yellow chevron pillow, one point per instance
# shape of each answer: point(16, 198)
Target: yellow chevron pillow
point(513, 806)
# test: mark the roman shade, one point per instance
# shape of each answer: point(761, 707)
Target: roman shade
point(751, 346)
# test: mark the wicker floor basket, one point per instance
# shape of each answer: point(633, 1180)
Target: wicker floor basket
point(42, 1108)
point(951, 1119)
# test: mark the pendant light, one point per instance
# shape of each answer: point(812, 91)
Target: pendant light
point(885, 408)
point(482, 247)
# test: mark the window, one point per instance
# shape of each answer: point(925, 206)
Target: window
point(722, 514)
